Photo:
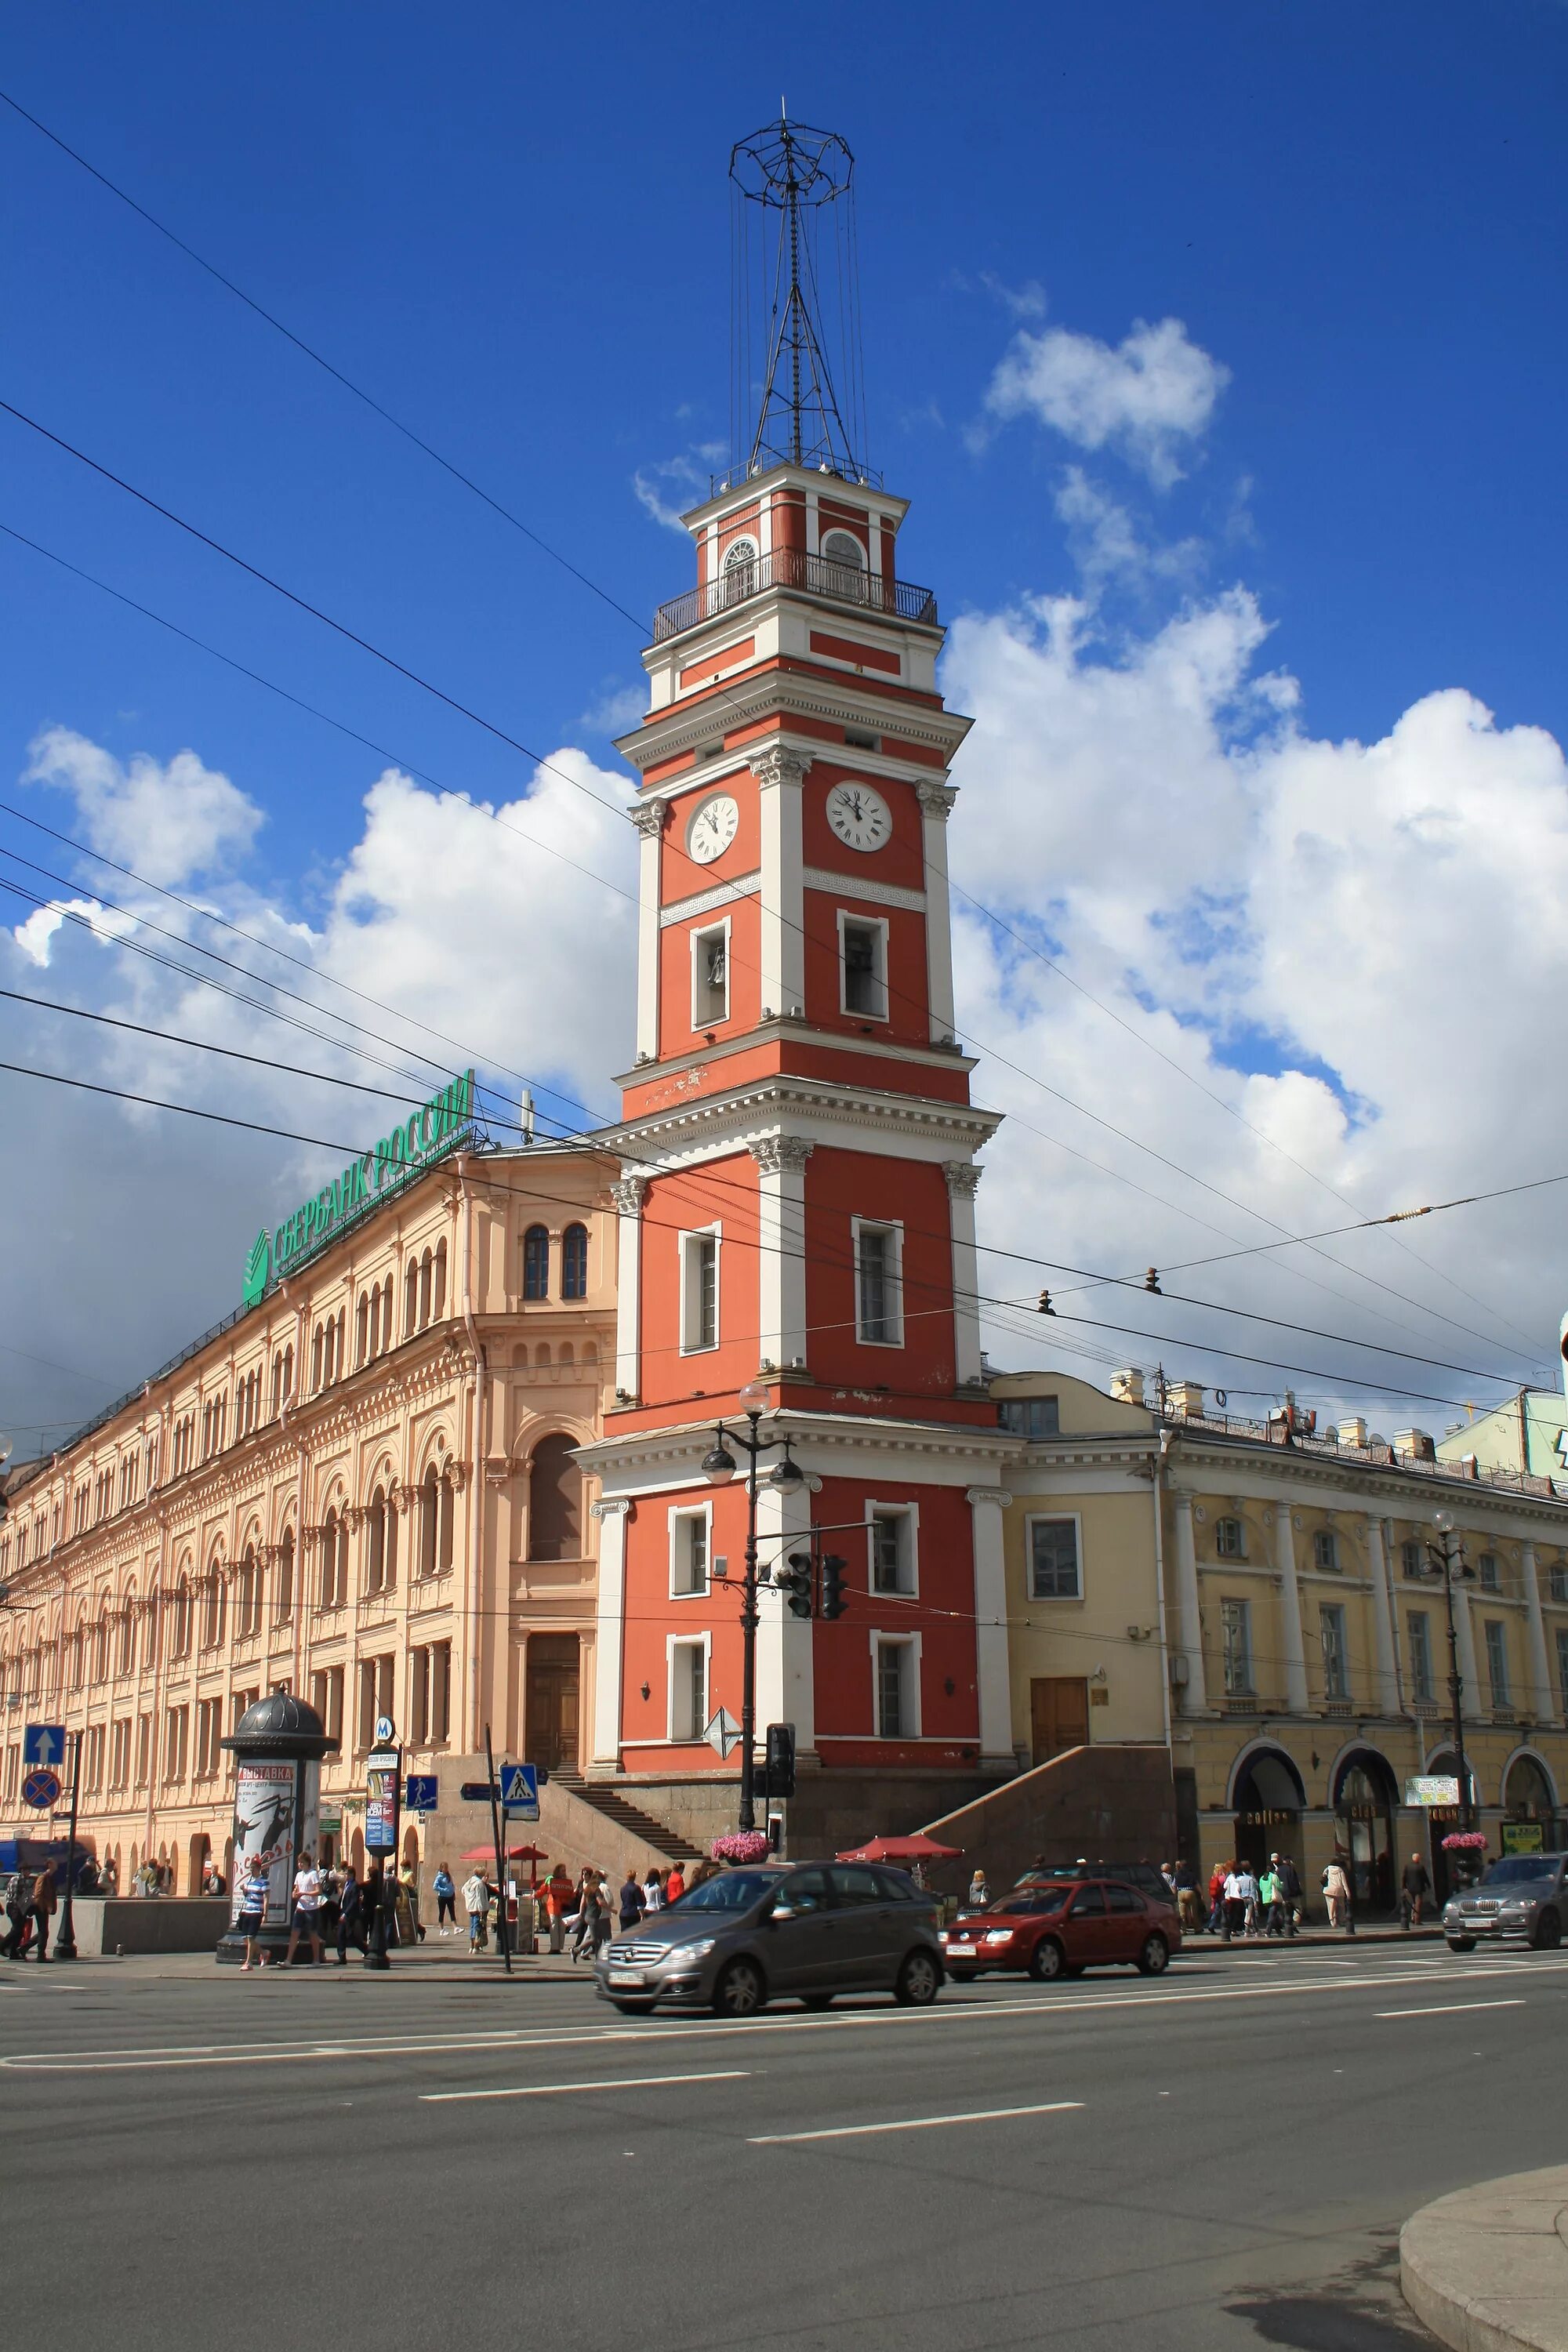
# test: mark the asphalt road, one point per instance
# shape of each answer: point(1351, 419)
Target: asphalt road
point(1217, 2160)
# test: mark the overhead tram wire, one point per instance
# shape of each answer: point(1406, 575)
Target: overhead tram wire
point(466, 481)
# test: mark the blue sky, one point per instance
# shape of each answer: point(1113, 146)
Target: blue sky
point(513, 229)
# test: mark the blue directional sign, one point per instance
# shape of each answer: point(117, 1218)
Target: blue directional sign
point(41, 1788)
point(44, 1743)
point(421, 1792)
point(479, 1792)
point(519, 1790)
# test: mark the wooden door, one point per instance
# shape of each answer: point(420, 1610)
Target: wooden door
point(551, 1700)
point(1058, 1715)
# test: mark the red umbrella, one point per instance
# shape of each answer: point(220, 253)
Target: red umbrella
point(514, 1853)
point(918, 1848)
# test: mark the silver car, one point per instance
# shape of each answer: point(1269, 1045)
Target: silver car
point(806, 1931)
point(1523, 1895)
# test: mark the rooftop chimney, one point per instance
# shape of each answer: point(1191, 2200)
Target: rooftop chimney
point(1127, 1386)
point(1352, 1432)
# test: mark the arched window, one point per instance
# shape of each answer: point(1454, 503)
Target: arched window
point(212, 1631)
point(429, 1521)
point(78, 1655)
point(410, 1297)
point(536, 1261)
point(845, 560)
point(285, 1586)
point(386, 1312)
point(375, 1553)
point(362, 1328)
point(446, 1512)
point(100, 1644)
point(438, 1307)
point(180, 1641)
point(127, 1655)
point(575, 1261)
point(738, 576)
point(316, 1346)
point(250, 1604)
point(330, 1561)
point(424, 1266)
point(555, 1501)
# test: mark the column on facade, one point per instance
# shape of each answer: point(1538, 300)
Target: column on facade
point(780, 775)
point(611, 1514)
point(1465, 1636)
point(1381, 1621)
point(780, 1248)
point(648, 817)
point(992, 1681)
point(627, 1194)
point(962, 1182)
point(1189, 1643)
point(1292, 1648)
point(936, 805)
point(1541, 1706)
point(786, 1656)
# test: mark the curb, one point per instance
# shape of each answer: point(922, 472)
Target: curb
point(1487, 2268)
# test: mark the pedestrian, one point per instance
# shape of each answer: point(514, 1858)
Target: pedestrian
point(1414, 1887)
point(979, 1893)
point(477, 1902)
point(304, 1918)
point(19, 1913)
point(1269, 1899)
point(351, 1916)
point(674, 1886)
point(42, 1905)
point(1168, 1873)
point(652, 1893)
point(590, 1903)
point(1233, 1902)
point(1186, 1879)
point(631, 1900)
point(445, 1901)
point(1290, 1882)
point(1217, 1877)
point(559, 1899)
point(1337, 1895)
point(252, 1914)
point(1249, 1909)
point(110, 1878)
point(411, 1894)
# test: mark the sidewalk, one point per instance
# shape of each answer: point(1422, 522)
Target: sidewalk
point(1487, 2268)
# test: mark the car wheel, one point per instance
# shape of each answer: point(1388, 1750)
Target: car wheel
point(920, 1981)
point(1461, 1943)
point(1548, 1932)
point(1047, 1960)
point(816, 2000)
point(1155, 1957)
point(740, 1991)
point(635, 2008)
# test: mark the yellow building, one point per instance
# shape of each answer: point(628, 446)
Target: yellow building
point(1270, 1611)
point(362, 1484)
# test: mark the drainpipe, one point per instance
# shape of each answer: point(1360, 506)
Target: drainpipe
point(284, 1409)
point(476, 1509)
point(1158, 1490)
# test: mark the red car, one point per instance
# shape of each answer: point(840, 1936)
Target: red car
point(1060, 1930)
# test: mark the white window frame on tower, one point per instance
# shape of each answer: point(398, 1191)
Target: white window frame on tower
point(684, 1518)
point(690, 1300)
point(704, 1644)
point(910, 1691)
point(877, 925)
point(895, 1279)
point(906, 1517)
point(703, 1015)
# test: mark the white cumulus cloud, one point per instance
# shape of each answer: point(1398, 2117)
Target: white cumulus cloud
point(172, 820)
point(1150, 397)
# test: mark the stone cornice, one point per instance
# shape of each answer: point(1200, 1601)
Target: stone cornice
point(1375, 1490)
point(811, 1432)
point(785, 695)
point(864, 885)
point(704, 902)
point(696, 1126)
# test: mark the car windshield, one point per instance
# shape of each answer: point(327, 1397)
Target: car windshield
point(1516, 1867)
point(733, 1890)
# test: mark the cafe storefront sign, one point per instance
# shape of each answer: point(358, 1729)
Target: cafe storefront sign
point(1433, 1790)
point(444, 1124)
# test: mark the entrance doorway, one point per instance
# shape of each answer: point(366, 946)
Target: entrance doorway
point(1530, 1809)
point(1364, 1800)
point(1268, 1800)
point(551, 1701)
point(1058, 1715)
point(1449, 1870)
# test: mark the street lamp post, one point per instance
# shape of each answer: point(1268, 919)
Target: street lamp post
point(1446, 1558)
point(719, 1467)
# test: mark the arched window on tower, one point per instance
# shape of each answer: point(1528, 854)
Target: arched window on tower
point(575, 1261)
point(738, 575)
point(536, 1261)
point(843, 561)
point(180, 1641)
point(448, 1509)
point(554, 1501)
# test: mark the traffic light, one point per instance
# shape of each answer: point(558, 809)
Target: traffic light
point(780, 1781)
point(832, 1601)
point(795, 1581)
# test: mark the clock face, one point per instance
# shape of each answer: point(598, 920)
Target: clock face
point(712, 829)
point(859, 816)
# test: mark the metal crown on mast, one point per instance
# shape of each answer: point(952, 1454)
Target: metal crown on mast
point(794, 245)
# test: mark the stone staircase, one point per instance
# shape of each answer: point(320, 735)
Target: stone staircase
point(615, 1809)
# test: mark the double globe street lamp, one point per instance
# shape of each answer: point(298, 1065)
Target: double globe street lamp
point(1446, 1562)
point(720, 1467)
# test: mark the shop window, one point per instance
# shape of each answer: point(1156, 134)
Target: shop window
point(710, 977)
point(1055, 1569)
point(575, 1261)
point(878, 1284)
point(536, 1261)
point(699, 1291)
point(863, 967)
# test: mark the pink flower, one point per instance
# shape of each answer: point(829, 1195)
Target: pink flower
point(741, 1845)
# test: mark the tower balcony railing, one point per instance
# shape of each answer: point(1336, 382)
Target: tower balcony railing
point(809, 576)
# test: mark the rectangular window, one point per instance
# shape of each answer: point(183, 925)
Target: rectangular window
point(375, 1696)
point(120, 1753)
point(699, 1292)
point(95, 1756)
point(1326, 1550)
point(327, 1699)
point(1030, 1417)
point(13, 1772)
point(895, 1689)
point(710, 977)
point(1488, 1573)
point(878, 1284)
point(144, 1749)
point(1497, 1662)
point(440, 1693)
point(1229, 1539)
point(688, 1533)
point(892, 1541)
point(177, 1724)
point(1412, 1558)
point(1056, 1571)
point(1332, 1634)
point(1235, 1633)
point(1559, 1583)
point(863, 966)
point(209, 1731)
point(1420, 1629)
point(688, 1690)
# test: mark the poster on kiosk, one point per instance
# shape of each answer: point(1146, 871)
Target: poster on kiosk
point(276, 1805)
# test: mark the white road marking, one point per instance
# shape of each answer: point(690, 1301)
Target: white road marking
point(1449, 2008)
point(914, 2123)
point(550, 2090)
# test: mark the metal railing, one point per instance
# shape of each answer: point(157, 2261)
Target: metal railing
point(810, 575)
point(751, 469)
point(1468, 1472)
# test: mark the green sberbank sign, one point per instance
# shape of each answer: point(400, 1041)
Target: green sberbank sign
point(444, 1125)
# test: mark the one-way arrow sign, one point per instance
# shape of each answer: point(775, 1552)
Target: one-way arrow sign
point(44, 1743)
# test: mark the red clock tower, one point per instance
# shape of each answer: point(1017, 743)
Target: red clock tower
point(798, 1144)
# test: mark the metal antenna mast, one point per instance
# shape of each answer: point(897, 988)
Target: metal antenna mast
point(795, 175)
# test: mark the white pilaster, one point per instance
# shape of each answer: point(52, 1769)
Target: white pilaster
point(1292, 1649)
point(962, 1182)
point(1475, 1700)
point(936, 805)
point(993, 1682)
point(781, 1254)
point(780, 775)
point(1193, 1691)
point(786, 1679)
point(1381, 1621)
point(612, 1515)
point(1541, 1706)
point(627, 1195)
point(649, 818)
